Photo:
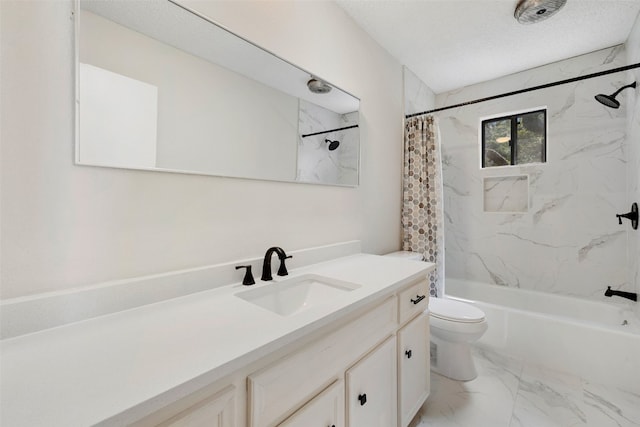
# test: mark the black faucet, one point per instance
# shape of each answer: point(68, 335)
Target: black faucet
point(266, 265)
point(629, 295)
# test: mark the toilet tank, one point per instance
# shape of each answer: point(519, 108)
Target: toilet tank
point(414, 256)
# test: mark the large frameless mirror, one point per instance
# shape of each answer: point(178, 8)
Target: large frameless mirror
point(161, 88)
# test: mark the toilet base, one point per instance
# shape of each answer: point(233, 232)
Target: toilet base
point(452, 359)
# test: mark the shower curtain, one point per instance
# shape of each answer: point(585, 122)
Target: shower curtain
point(422, 207)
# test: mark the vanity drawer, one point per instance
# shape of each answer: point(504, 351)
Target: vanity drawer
point(279, 389)
point(326, 409)
point(203, 408)
point(413, 300)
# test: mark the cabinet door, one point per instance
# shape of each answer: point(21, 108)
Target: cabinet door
point(324, 410)
point(215, 411)
point(413, 367)
point(371, 388)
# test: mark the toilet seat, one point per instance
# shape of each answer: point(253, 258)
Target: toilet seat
point(455, 311)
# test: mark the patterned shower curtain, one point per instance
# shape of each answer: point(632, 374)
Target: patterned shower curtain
point(422, 207)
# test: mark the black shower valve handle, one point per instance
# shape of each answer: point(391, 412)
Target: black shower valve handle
point(631, 216)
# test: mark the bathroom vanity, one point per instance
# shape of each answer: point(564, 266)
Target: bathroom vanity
point(352, 351)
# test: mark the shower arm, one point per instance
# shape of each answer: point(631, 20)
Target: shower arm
point(614, 94)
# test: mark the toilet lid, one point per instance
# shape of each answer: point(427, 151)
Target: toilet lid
point(455, 311)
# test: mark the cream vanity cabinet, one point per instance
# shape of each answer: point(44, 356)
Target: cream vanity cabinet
point(209, 407)
point(382, 358)
point(277, 391)
point(324, 410)
point(370, 370)
point(413, 367)
point(371, 388)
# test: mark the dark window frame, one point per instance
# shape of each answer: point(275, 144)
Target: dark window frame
point(513, 118)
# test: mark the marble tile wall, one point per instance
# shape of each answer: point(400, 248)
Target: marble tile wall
point(418, 97)
point(568, 241)
point(633, 142)
point(506, 194)
point(316, 163)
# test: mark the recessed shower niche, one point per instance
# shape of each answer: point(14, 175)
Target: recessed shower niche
point(506, 194)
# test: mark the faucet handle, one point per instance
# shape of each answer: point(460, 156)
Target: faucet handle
point(282, 271)
point(248, 276)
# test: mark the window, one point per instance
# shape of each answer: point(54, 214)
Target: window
point(515, 140)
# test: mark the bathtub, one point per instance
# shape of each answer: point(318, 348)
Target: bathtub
point(598, 341)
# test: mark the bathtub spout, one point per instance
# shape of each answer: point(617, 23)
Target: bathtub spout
point(629, 295)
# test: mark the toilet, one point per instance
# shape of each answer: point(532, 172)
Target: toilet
point(454, 326)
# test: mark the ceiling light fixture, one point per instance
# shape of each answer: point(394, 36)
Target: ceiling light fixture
point(532, 11)
point(316, 85)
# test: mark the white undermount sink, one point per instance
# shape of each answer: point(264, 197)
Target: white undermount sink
point(290, 296)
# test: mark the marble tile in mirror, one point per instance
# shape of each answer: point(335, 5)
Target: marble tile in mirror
point(162, 88)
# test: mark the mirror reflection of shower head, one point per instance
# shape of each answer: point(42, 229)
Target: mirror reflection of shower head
point(318, 86)
point(610, 100)
point(332, 144)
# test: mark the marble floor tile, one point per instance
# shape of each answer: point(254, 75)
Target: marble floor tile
point(487, 400)
point(609, 406)
point(548, 399)
point(511, 393)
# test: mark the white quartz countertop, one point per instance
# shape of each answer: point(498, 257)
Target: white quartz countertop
point(91, 371)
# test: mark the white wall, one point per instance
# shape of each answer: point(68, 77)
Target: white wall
point(632, 107)
point(568, 240)
point(64, 225)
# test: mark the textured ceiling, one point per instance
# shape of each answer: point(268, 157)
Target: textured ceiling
point(454, 43)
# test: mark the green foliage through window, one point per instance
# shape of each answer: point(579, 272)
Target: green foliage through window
point(515, 140)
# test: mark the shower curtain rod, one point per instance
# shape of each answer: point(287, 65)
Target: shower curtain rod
point(516, 92)
point(329, 131)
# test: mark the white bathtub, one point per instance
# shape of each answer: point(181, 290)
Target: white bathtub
point(598, 341)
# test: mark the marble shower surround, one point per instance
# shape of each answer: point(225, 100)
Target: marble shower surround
point(568, 241)
point(418, 97)
point(633, 137)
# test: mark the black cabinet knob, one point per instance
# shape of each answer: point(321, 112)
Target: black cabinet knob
point(362, 398)
point(408, 353)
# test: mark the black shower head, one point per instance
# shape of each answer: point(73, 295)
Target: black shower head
point(610, 100)
point(332, 144)
point(607, 100)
